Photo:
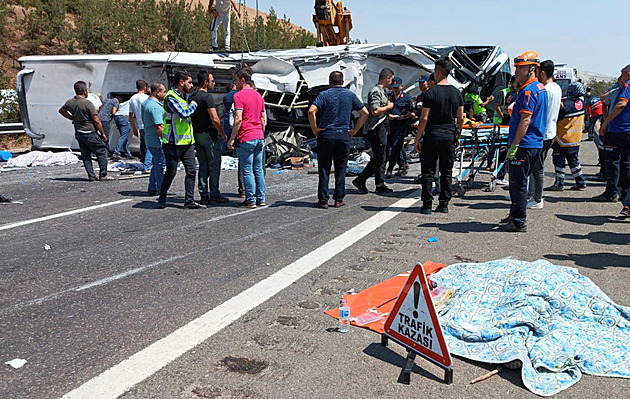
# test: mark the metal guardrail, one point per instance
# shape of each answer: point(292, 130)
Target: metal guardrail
point(12, 128)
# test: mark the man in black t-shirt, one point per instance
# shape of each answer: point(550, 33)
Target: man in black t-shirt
point(207, 128)
point(440, 127)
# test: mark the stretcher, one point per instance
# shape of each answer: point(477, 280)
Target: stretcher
point(480, 145)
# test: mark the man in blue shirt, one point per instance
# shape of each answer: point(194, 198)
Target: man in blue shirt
point(333, 135)
point(153, 118)
point(527, 130)
point(616, 128)
point(399, 125)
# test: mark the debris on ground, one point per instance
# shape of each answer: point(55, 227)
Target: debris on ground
point(16, 363)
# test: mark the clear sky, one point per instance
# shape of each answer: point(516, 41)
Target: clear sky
point(591, 35)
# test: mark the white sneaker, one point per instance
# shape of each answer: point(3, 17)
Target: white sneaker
point(502, 182)
point(532, 204)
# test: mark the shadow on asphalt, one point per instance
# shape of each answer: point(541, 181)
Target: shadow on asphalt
point(295, 204)
point(72, 179)
point(463, 227)
point(600, 260)
point(590, 220)
point(134, 193)
point(601, 237)
point(370, 208)
point(484, 206)
point(555, 200)
point(377, 351)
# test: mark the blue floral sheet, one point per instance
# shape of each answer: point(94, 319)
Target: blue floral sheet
point(558, 323)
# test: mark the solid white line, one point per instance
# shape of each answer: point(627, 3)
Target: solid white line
point(62, 214)
point(120, 378)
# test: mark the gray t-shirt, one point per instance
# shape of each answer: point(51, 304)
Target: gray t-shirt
point(106, 112)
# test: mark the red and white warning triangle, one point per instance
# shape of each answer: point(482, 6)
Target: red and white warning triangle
point(413, 321)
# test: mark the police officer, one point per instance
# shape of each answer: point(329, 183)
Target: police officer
point(399, 126)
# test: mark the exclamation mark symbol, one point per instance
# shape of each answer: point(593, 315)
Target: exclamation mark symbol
point(416, 298)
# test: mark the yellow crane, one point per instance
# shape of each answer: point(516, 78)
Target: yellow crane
point(333, 23)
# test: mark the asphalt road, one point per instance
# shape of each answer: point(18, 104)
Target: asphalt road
point(83, 292)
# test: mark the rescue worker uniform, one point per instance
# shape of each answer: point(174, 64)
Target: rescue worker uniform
point(566, 144)
point(177, 144)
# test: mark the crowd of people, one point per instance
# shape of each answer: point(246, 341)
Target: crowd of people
point(182, 125)
point(178, 125)
point(539, 116)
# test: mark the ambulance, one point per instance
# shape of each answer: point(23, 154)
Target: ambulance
point(563, 76)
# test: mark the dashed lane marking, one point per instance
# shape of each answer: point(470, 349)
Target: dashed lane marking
point(59, 215)
point(120, 378)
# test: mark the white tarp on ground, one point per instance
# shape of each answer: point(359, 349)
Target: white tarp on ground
point(40, 158)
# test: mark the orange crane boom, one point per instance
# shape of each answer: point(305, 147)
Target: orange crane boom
point(333, 23)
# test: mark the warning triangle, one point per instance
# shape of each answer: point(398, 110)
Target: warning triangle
point(413, 321)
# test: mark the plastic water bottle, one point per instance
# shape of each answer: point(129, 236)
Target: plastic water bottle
point(344, 316)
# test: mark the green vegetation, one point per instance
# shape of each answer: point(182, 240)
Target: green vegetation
point(599, 87)
point(107, 26)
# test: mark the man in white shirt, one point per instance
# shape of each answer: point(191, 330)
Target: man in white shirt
point(554, 94)
point(135, 117)
point(220, 11)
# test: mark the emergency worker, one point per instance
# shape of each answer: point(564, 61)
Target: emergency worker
point(527, 129)
point(399, 126)
point(178, 139)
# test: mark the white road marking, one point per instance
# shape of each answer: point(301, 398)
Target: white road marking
point(120, 378)
point(59, 215)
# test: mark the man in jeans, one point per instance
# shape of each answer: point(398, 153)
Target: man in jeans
point(208, 137)
point(333, 135)
point(377, 131)
point(178, 140)
point(88, 131)
point(527, 129)
point(137, 125)
point(554, 95)
point(441, 126)
point(616, 128)
point(249, 129)
point(153, 117)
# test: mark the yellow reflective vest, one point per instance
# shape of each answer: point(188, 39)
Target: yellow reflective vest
point(181, 127)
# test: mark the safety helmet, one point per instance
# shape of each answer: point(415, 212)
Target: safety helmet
point(527, 58)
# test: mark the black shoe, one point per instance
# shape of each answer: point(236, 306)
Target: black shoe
point(506, 219)
point(578, 187)
point(513, 227)
point(219, 200)
point(4, 199)
point(442, 208)
point(388, 175)
point(205, 200)
point(194, 205)
point(604, 198)
point(623, 196)
point(625, 212)
point(383, 190)
point(426, 209)
point(360, 186)
point(161, 204)
point(152, 193)
point(554, 188)
point(401, 172)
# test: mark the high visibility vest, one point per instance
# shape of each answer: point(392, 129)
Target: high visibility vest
point(497, 119)
point(182, 128)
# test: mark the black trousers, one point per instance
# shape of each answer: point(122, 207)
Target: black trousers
point(432, 150)
point(333, 146)
point(376, 166)
point(397, 133)
point(520, 168)
point(173, 154)
point(92, 143)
